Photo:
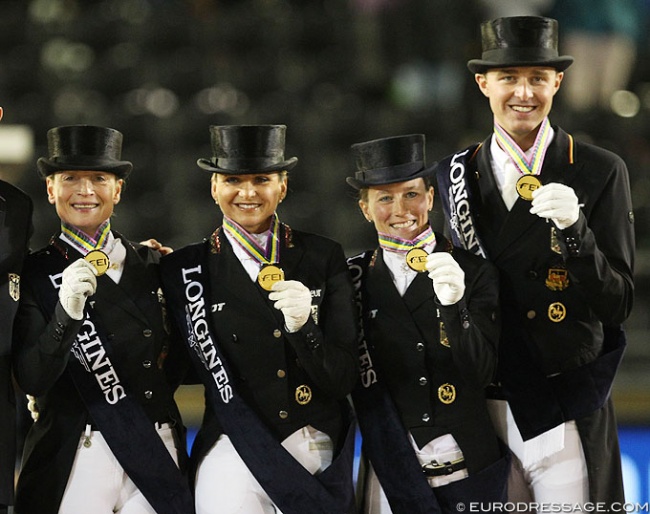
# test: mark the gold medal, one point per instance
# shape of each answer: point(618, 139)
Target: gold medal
point(556, 312)
point(99, 260)
point(303, 394)
point(416, 259)
point(526, 185)
point(269, 275)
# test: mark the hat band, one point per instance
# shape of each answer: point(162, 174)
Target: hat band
point(508, 55)
point(82, 159)
point(389, 173)
point(254, 163)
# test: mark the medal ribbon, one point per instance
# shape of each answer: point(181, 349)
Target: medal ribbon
point(83, 242)
point(399, 245)
point(531, 166)
point(268, 255)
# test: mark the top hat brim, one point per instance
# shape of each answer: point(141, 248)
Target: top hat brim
point(121, 169)
point(560, 63)
point(210, 166)
point(379, 181)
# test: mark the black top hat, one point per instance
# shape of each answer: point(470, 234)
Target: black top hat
point(84, 147)
point(389, 160)
point(246, 149)
point(519, 41)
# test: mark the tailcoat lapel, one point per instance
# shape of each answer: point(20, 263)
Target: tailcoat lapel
point(386, 299)
point(291, 253)
point(499, 228)
point(226, 268)
point(383, 293)
point(132, 289)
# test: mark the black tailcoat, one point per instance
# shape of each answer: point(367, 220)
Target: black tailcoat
point(267, 362)
point(436, 360)
point(584, 274)
point(143, 352)
point(15, 231)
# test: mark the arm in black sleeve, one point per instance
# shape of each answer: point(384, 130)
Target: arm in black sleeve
point(41, 344)
point(599, 249)
point(473, 324)
point(327, 349)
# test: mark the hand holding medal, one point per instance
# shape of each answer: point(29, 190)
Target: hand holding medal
point(447, 276)
point(78, 282)
point(556, 202)
point(294, 300)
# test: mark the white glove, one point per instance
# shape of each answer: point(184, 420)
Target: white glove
point(294, 300)
point(78, 283)
point(556, 202)
point(447, 276)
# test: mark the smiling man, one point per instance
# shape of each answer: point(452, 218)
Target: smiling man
point(555, 216)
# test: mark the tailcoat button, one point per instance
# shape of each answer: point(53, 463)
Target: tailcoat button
point(147, 332)
point(148, 395)
point(426, 417)
point(283, 414)
point(531, 314)
point(282, 373)
point(146, 364)
point(423, 381)
point(419, 346)
point(277, 333)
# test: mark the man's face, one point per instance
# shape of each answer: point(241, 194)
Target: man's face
point(520, 98)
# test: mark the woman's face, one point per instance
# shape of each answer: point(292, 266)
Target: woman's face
point(84, 199)
point(249, 200)
point(400, 209)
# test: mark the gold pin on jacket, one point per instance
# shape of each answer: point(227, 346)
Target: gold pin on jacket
point(303, 394)
point(557, 279)
point(556, 312)
point(447, 393)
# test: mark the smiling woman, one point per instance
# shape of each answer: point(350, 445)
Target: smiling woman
point(273, 341)
point(423, 372)
point(88, 331)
